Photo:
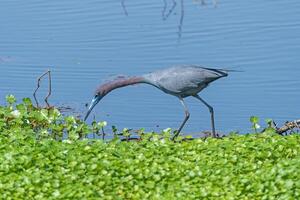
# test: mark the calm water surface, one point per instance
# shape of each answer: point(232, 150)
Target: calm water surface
point(87, 42)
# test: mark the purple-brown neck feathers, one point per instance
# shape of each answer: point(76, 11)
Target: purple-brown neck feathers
point(111, 85)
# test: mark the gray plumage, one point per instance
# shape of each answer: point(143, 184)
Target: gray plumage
point(184, 81)
point(180, 81)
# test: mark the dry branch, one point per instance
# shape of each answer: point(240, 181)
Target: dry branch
point(38, 86)
point(288, 126)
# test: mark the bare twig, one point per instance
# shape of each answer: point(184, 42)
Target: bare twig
point(288, 126)
point(38, 86)
point(49, 88)
point(130, 139)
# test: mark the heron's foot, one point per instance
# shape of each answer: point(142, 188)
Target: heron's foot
point(176, 134)
point(211, 134)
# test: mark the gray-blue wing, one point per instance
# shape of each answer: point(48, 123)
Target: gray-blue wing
point(184, 80)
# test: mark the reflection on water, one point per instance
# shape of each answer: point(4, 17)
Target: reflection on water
point(168, 10)
point(85, 42)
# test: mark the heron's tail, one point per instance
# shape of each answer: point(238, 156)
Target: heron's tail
point(231, 69)
point(222, 72)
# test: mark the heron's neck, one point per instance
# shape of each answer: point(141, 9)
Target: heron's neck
point(121, 83)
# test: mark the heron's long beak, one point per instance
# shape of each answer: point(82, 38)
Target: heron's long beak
point(94, 102)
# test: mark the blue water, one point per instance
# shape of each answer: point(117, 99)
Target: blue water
point(86, 42)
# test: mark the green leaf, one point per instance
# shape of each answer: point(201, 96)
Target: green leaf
point(27, 102)
point(10, 99)
point(254, 119)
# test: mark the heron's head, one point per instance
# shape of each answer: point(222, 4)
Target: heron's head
point(107, 87)
point(98, 96)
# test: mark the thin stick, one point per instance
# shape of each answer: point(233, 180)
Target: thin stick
point(38, 86)
point(288, 126)
point(49, 89)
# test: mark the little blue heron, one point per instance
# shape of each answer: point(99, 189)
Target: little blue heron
point(179, 81)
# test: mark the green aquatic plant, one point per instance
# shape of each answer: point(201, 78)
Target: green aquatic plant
point(45, 155)
point(44, 123)
point(255, 123)
point(253, 166)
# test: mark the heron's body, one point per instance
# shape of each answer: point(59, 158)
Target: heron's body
point(180, 81)
point(183, 81)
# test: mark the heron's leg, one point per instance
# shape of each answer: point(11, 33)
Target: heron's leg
point(187, 115)
point(211, 110)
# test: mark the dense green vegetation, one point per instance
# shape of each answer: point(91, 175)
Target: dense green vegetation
point(44, 155)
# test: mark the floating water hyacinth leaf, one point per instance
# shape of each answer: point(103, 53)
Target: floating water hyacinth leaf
point(255, 120)
point(114, 130)
point(269, 122)
point(46, 156)
point(10, 99)
point(27, 102)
